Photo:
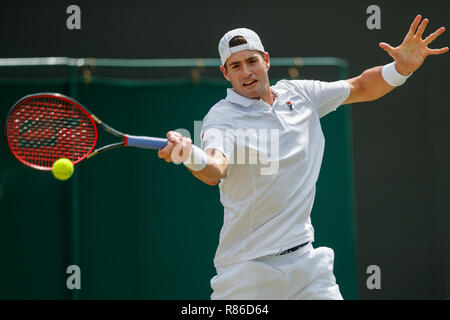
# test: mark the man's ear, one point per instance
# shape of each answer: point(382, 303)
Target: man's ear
point(225, 72)
point(267, 60)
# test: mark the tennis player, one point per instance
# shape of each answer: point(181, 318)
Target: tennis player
point(265, 248)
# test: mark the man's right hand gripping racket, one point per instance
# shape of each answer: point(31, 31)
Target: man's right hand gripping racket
point(44, 127)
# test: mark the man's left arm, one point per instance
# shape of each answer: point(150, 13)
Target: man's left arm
point(374, 83)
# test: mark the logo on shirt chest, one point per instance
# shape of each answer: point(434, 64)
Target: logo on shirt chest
point(290, 105)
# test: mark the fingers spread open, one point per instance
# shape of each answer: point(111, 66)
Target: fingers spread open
point(386, 47)
point(434, 35)
point(413, 27)
point(421, 28)
point(438, 51)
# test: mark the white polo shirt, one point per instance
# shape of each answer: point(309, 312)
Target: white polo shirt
point(274, 154)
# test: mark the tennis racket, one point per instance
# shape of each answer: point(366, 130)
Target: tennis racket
point(44, 127)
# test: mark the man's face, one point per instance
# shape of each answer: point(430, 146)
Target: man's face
point(247, 72)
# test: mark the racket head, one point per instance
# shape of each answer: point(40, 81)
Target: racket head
point(43, 127)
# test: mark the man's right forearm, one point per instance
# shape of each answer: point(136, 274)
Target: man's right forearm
point(215, 168)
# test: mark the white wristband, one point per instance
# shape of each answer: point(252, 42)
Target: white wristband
point(391, 75)
point(198, 159)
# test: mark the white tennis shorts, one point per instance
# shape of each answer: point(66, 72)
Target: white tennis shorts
point(304, 274)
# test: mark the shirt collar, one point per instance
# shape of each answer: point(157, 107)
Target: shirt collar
point(235, 97)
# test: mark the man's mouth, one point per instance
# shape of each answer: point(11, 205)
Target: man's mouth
point(249, 83)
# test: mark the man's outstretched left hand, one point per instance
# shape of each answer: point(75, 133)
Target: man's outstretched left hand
point(410, 55)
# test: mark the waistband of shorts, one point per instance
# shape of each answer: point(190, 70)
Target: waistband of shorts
point(291, 249)
point(297, 250)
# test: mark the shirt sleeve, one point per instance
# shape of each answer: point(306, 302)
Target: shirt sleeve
point(324, 96)
point(218, 139)
point(215, 134)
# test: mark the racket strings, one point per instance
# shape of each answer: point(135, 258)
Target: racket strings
point(42, 129)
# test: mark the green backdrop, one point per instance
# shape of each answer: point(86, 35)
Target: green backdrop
point(137, 227)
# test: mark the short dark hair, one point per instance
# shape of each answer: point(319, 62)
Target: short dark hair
point(237, 41)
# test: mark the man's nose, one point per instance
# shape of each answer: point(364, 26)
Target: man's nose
point(246, 71)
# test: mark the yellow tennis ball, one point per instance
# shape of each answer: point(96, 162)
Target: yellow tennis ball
point(62, 169)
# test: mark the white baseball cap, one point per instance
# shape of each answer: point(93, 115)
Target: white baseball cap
point(253, 43)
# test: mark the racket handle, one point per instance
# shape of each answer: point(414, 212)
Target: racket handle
point(144, 142)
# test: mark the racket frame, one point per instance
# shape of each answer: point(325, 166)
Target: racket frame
point(94, 120)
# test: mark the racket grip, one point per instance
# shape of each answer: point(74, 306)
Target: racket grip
point(144, 142)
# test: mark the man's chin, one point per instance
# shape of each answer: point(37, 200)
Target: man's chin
point(251, 94)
